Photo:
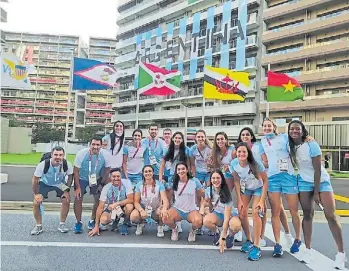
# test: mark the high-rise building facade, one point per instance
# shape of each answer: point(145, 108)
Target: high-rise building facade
point(3, 13)
point(148, 30)
point(309, 40)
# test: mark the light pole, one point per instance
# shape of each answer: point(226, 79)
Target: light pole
point(185, 104)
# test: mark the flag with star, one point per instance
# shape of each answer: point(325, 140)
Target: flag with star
point(156, 81)
point(282, 87)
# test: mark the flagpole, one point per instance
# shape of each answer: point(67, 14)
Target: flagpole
point(75, 113)
point(268, 106)
point(69, 102)
point(203, 112)
point(137, 110)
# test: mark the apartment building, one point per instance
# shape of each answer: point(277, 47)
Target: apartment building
point(155, 23)
point(309, 40)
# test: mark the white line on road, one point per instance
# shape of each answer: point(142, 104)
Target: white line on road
point(320, 262)
point(109, 245)
point(8, 165)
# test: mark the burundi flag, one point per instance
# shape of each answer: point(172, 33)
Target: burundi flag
point(224, 84)
point(156, 81)
point(282, 87)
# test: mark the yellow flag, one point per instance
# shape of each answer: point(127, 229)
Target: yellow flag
point(224, 84)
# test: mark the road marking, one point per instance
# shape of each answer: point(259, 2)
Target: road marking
point(320, 262)
point(110, 245)
point(9, 165)
point(341, 198)
point(342, 212)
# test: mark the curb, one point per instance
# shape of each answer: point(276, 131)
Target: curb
point(55, 206)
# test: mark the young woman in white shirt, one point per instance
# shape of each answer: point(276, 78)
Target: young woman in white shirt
point(150, 201)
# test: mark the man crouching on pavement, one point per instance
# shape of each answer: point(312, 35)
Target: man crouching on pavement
point(50, 175)
point(115, 203)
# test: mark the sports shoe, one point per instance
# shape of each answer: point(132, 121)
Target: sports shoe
point(289, 239)
point(306, 256)
point(211, 233)
point(91, 224)
point(63, 228)
point(296, 245)
point(78, 227)
point(124, 229)
point(229, 242)
point(278, 250)
point(160, 232)
point(340, 261)
point(179, 226)
point(174, 234)
point(262, 242)
point(192, 235)
point(247, 246)
point(139, 229)
point(103, 227)
point(216, 238)
point(238, 236)
point(36, 230)
point(199, 232)
point(254, 254)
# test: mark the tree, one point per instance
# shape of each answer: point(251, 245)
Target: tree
point(16, 123)
point(45, 133)
point(84, 135)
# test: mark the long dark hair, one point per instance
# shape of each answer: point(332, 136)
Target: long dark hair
point(176, 176)
point(113, 137)
point(253, 137)
point(153, 186)
point(130, 143)
point(170, 154)
point(291, 143)
point(250, 159)
point(224, 193)
point(215, 153)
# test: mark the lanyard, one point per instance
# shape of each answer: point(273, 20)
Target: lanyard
point(181, 192)
point(145, 190)
point(59, 171)
point(269, 142)
point(222, 157)
point(134, 155)
point(200, 152)
point(90, 163)
point(156, 145)
point(113, 195)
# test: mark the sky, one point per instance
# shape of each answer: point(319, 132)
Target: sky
point(74, 17)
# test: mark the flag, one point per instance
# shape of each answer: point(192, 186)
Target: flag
point(156, 81)
point(14, 72)
point(282, 87)
point(224, 84)
point(93, 75)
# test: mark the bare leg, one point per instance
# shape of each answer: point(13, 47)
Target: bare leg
point(292, 202)
point(257, 221)
point(274, 199)
point(307, 203)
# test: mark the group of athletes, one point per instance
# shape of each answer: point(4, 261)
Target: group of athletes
point(162, 180)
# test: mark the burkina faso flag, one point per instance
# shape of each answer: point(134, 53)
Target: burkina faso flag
point(156, 81)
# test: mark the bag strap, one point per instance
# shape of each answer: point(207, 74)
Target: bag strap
point(47, 165)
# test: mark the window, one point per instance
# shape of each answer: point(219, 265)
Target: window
point(340, 118)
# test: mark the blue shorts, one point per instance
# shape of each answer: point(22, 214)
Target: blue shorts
point(135, 178)
point(44, 189)
point(234, 212)
point(283, 183)
point(184, 215)
point(309, 186)
point(257, 192)
point(94, 190)
point(203, 176)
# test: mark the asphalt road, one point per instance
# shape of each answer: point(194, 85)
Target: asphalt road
point(19, 187)
point(53, 250)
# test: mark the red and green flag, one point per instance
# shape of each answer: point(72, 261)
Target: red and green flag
point(156, 81)
point(282, 87)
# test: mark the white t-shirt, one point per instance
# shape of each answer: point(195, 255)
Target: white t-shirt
point(111, 193)
point(200, 158)
point(135, 158)
point(54, 175)
point(218, 206)
point(116, 157)
point(186, 202)
point(148, 198)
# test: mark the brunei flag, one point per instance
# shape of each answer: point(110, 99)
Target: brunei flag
point(281, 88)
point(224, 84)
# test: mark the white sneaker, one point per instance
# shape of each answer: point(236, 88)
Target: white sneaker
point(179, 226)
point(307, 256)
point(160, 231)
point(166, 228)
point(262, 242)
point(174, 234)
point(192, 235)
point(339, 263)
point(238, 236)
point(289, 240)
point(63, 228)
point(139, 229)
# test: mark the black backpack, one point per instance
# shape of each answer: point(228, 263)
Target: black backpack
point(46, 157)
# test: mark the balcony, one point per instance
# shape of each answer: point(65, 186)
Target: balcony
point(311, 51)
point(291, 7)
point(315, 25)
point(335, 73)
point(311, 102)
point(140, 8)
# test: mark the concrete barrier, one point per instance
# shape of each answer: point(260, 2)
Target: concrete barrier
point(4, 177)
